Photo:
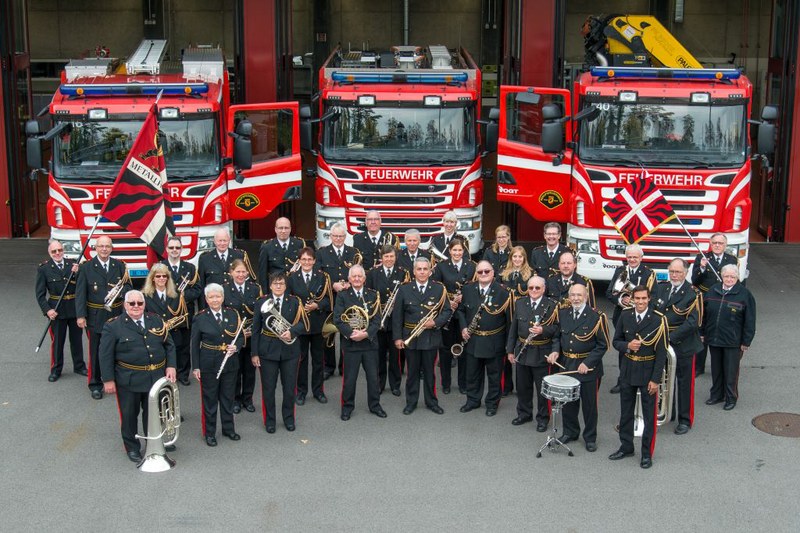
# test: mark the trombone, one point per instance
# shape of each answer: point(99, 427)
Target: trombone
point(420, 327)
point(387, 309)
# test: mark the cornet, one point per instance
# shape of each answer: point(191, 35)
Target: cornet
point(113, 294)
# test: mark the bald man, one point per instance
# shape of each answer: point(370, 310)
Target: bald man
point(280, 253)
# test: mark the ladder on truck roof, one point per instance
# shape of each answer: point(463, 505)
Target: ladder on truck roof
point(147, 57)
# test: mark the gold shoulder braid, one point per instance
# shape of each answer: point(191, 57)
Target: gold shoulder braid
point(501, 308)
point(660, 333)
point(549, 321)
point(376, 305)
point(600, 326)
point(301, 315)
point(238, 323)
point(163, 331)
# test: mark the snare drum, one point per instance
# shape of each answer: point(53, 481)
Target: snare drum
point(560, 388)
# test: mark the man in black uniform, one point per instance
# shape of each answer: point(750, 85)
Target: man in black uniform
point(406, 257)
point(483, 318)
point(558, 285)
point(544, 259)
point(582, 341)
point(625, 277)
point(214, 265)
point(421, 305)
point(705, 274)
point(51, 278)
point(529, 342)
point(369, 243)
point(281, 253)
point(682, 306)
point(357, 319)
point(642, 336)
point(95, 279)
point(335, 260)
point(135, 348)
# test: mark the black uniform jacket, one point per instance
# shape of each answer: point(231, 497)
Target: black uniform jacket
point(244, 305)
point(584, 340)
point(683, 312)
point(124, 345)
point(488, 338)
point(411, 307)
point(404, 258)
point(50, 281)
point(643, 276)
point(729, 320)
point(210, 340)
point(93, 286)
point(446, 273)
point(540, 346)
point(705, 280)
point(370, 305)
point(557, 289)
point(336, 269)
point(370, 253)
point(266, 344)
point(170, 309)
point(211, 269)
point(516, 283)
point(645, 365)
point(318, 290)
point(187, 271)
point(541, 262)
point(377, 280)
point(497, 258)
point(437, 242)
point(273, 259)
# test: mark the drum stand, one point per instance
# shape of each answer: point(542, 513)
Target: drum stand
point(552, 442)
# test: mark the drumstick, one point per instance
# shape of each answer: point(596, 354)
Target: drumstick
point(571, 371)
point(559, 365)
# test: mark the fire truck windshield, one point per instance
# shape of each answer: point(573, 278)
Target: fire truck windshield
point(671, 134)
point(96, 150)
point(407, 135)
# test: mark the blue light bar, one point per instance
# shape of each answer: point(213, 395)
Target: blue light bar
point(126, 89)
point(400, 77)
point(667, 73)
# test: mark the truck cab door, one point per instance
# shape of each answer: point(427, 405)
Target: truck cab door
point(528, 175)
point(275, 170)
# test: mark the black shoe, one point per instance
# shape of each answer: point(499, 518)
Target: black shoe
point(396, 392)
point(408, 409)
point(467, 407)
point(615, 389)
point(619, 454)
point(491, 411)
point(236, 408)
point(135, 456)
point(233, 436)
point(53, 377)
point(591, 447)
point(713, 401)
point(446, 390)
point(436, 409)
point(289, 426)
point(462, 390)
point(250, 408)
point(379, 412)
point(521, 420)
point(211, 441)
point(345, 416)
point(566, 439)
point(729, 405)
point(270, 429)
point(541, 427)
point(646, 462)
point(170, 448)
point(97, 394)
point(682, 429)
point(82, 371)
point(321, 398)
point(185, 381)
point(300, 400)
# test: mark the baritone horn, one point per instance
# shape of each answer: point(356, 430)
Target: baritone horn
point(274, 321)
point(163, 425)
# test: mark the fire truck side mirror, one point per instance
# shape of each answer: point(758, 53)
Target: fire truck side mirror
point(33, 148)
point(766, 130)
point(552, 129)
point(242, 146)
point(305, 128)
point(492, 130)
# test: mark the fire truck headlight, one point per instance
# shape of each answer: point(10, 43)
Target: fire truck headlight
point(326, 223)
point(469, 224)
point(587, 247)
point(71, 248)
point(205, 243)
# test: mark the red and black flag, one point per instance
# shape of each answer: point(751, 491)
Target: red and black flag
point(139, 201)
point(638, 210)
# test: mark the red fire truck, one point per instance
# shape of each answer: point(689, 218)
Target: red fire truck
point(223, 162)
point(399, 134)
point(562, 156)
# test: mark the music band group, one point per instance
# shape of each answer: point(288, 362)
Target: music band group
point(397, 309)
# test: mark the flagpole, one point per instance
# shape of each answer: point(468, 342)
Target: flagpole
point(708, 263)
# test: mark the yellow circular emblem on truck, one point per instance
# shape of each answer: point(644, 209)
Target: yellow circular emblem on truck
point(551, 199)
point(247, 202)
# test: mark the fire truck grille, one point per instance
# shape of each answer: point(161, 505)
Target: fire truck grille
point(408, 196)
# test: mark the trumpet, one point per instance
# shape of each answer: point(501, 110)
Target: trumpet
point(163, 424)
point(387, 309)
point(113, 294)
point(274, 322)
point(458, 349)
point(184, 283)
point(420, 327)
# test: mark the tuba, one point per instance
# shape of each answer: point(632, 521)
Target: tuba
point(163, 424)
point(113, 294)
point(666, 396)
point(274, 321)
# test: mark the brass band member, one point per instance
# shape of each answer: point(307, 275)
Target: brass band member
point(483, 318)
point(161, 298)
point(135, 352)
point(407, 256)
point(529, 342)
point(241, 294)
point(51, 277)
point(275, 350)
point(558, 285)
point(213, 333)
point(441, 241)
point(335, 260)
point(642, 336)
point(453, 273)
point(386, 280)
point(729, 325)
point(213, 265)
point(625, 277)
point(421, 305)
point(370, 242)
point(682, 306)
point(581, 342)
point(313, 287)
point(279, 254)
point(544, 259)
point(517, 272)
point(499, 252)
point(359, 341)
point(704, 277)
point(96, 278)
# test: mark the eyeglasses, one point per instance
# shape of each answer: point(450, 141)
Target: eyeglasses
point(135, 304)
point(174, 247)
point(278, 283)
point(161, 276)
point(57, 251)
point(535, 287)
point(483, 271)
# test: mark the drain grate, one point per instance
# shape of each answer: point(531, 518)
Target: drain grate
point(780, 424)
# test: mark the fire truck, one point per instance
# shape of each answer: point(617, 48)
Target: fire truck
point(224, 162)
point(646, 108)
point(398, 133)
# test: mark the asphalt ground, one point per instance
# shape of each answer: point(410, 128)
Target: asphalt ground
point(63, 467)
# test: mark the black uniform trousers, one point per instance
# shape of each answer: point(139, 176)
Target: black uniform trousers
point(217, 393)
point(130, 403)
point(425, 360)
point(700, 360)
point(528, 378)
point(95, 382)
point(451, 336)
point(627, 400)
point(725, 373)
point(587, 404)
point(352, 361)
point(316, 344)
point(181, 337)
point(330, 359)
point(388, 357)
point(287, 369)
point(476, 368)
point(507, 375)
point(58, 335)
point(245, 378)
point(684, 384)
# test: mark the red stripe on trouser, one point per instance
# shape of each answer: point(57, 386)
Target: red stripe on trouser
point(691, 397)
point(52, 348)
point(655, 425)
point(202, 410)
point(119, 410)
point(502, 375)
point(263, 399)
point(89, 373)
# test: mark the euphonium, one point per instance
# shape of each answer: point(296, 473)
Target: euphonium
point(113, 294)
point(623, 285)
point(163, 424)
point(389, 306)
point(275, 322)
